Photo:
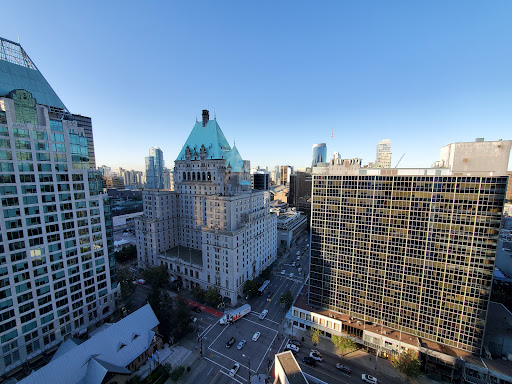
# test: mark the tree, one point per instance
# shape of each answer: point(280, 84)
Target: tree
point(176, 373)
point(250, 288)
point(213, 297)
point(161, 302)
point(127, 253)
point(342, 343)
point(287, 299)
point(124, 277)
point(266, 273)
point(180, 320)
point(157, 277)
point(198, 293)
point(407, 363)
point(315, 335)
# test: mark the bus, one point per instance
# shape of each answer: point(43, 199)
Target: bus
point(264, 286)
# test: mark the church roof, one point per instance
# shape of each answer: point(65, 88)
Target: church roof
point(17, 71)
point(215, 143)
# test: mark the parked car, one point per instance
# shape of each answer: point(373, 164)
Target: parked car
point(299, 270)
point(293, 264)
point(314, 354)
point(368, 379)
point(241, 344)
point(263, 314)
point(295, 342)
point(142, 281)
point(196, 309)
point(234, 370)
point(292, 274)
point(298, 258)
point(309, 361)
point(230, 342)
point(292, 347)
point(294, 353)
point(256, 336)
point(298, 253)
point(343, 368)
point(283, 272)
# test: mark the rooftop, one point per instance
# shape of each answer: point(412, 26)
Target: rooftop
point(188, 255)
point(17, 71)
point(290, 367)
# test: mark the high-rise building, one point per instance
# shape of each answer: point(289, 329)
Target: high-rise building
point(284, 175)
point(213, 230)
point(168, 178)
point(319, 154)
point(260, 179)
point(409, 250)
point(56, 244)
point(384, 154)
point(299, 195)
point(155, 169)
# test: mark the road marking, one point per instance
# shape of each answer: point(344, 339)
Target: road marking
point(215, 375)
point(323, 372)
point(210, 371)
point(206, 330)
point(264, 326)
point(218, 336)
point(221, 371)
point(229, 358)
point(231, 377)
point(266, 353)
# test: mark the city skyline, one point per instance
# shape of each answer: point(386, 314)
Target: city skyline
point(413, 73)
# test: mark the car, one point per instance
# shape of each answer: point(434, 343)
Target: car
point(234, 370)
point(316, 355)
point(142, 281)
point(294, 353)
point(292, 274)
point(241, 344)
point(368, 379)
point(299, 270)
point(298, 253)
point(295, 342)
point(292, 347)
point(298, 258)
point(196, 309)
point(263, 314)
point(269, 295)
point(256, 336)
point(309, 361)
point(230, 342)
point(283, 272)
point(293, 264)
point(343, 368)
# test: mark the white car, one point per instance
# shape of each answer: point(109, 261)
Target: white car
point(142, 281)
point(292, 347)
point(283, 272)
point(293, 264)
point(256, 336)
point(316, 355)
point(298, 258)
point(368, 379)
point(298, 253)
point(263, 314)
point(299, 270)
point(234, 370)
point(291, 274)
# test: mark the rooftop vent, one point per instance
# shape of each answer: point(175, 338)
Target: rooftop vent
point(478, 139)
point(206, 117)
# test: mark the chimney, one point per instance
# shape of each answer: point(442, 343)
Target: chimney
point(206, 117)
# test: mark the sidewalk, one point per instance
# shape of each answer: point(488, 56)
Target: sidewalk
point(369, 362)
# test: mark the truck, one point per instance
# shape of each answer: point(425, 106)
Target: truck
point(235, 314)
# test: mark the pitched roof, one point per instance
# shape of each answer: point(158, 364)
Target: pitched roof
point(17, 71)
point(90, 361)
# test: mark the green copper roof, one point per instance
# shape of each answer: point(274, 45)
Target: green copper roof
point(17, 71)
point(234, 160)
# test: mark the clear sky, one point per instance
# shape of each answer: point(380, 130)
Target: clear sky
point(279, 74)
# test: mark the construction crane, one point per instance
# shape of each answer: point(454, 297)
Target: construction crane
point(399, 160)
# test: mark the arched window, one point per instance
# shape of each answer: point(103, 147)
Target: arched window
point(209, 176)
point(188, 176)
point(204, 176)
point(193, 175)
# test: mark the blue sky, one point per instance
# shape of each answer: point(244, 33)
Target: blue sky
point(279, 74)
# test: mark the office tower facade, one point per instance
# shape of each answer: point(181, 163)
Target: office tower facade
point(384, 154)
point(86, 123)
point(411, 250)
point(213, 230)
point(260, 179)
point(168, 178)
point(284, 174)
point(56, 262)
point(319, 154)
point(299, 195)
point(155, 169)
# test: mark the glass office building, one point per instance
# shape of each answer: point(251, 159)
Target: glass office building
point(414, 253)
point(57, 271)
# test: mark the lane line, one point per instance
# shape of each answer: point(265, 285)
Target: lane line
point(215, 375)
point(266, 353)
point(232, 378)
point(218, 336)
point(229, 358)
point(264, 326)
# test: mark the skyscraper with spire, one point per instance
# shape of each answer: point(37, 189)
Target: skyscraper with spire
point(213, 230)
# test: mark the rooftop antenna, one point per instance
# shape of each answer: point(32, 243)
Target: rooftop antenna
point(196, 119)
point(214, 114)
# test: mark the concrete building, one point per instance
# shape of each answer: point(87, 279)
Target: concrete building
point(290, 224)
point(260, 179)
point(319, 154)
point(299, 195)
point(57, 271)
point(113, 181)
point(155, 169)
point(383, 154)
point(132, 179)
point(168, 178)
point(105, 170)
point(213, 230)
point(109, 357)
point(284, 174)
point(410, 250)
point(287, 371)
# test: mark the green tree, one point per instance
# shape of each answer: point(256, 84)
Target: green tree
point(198, 293)
point(250, 288)
point(136, 380)
point(407, 363)
point(157, 277)
point(213, 297)
point(266, 273)
point(287, 299)
point(315, 335)
point(128, 253)
point(180, 320)
point(124, 277)
point(176, 373)
point(162, 305)
point(342, 343)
